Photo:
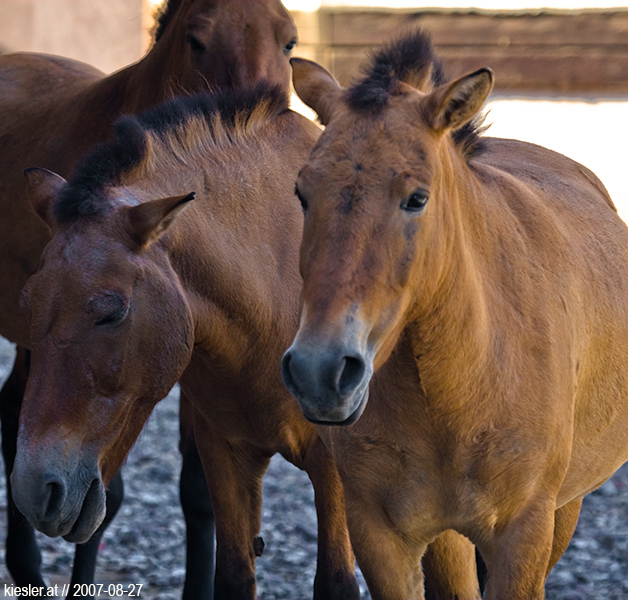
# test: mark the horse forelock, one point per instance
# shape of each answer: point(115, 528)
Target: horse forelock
point(176, 132)
point(410, 59)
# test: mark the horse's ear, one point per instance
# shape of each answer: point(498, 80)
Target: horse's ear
point(42, 187)
point(316, 86)
point(147, 221)
point(451, 105)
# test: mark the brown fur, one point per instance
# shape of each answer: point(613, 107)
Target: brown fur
point(53, 109)
point(495, 320)
point(156, 289)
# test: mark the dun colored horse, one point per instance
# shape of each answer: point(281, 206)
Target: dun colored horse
point(479, 287)
point(51, 111)
point(140, 287)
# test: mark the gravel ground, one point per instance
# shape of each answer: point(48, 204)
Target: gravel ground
point(145, 543)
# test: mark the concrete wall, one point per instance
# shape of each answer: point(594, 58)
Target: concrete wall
point(108, 34)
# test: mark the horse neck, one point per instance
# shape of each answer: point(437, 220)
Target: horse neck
point(450, 324)
point(242, 288)
point(155, 78)
point(160, 75)
point(237, 253)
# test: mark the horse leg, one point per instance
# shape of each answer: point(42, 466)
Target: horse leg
point(335, 572)
point(234, 476)
point(197, 511)
point(85, 556)
point(519, 556)
point(23, 557)
point(565, 521)
point(450, 568)
point(390, 563)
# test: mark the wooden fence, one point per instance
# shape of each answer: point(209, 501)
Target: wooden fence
point(558, 52)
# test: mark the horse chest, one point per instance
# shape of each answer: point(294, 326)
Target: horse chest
point(424, 479)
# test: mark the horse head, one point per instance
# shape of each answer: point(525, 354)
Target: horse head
point(122, 335)
point(378, 218)
point(229, 43)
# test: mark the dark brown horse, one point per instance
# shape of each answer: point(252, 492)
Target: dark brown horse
point(479, 287)
point(53, 109)
point(140, 287)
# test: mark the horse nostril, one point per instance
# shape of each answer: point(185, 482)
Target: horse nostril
point(286, 373)
point(53, 500)
point(351, 374)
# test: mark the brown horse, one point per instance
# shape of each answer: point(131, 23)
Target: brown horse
point(51, 111)
point(135, 293)
point(480, 287)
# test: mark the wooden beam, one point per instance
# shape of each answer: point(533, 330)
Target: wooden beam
point(542, 51)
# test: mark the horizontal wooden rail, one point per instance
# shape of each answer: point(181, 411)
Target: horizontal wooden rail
point(566, 52)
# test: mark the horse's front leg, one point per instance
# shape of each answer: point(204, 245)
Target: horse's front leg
point(234, 476)
point(23, 557)
point(86, 554)
point(197, 511)
point(565, 521)
point(450, 568)
point(335, 573)
point(518, 556)
point(390, 561)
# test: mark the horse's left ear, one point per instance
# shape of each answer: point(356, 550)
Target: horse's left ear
point(452, 105)
point(147, 221)
point(42, 187)
point(316, 86)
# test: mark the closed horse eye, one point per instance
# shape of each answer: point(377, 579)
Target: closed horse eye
point(194, 43)
point(289, 47)
point(302, 200)
point(113, 318)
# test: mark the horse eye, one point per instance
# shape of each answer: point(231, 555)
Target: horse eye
point(302, 200)
point(195, 45)
point(114, 318)
point(289, 47)
point(416, 201)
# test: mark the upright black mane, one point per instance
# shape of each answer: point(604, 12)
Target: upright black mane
point(163, 17)
point(409, 59)
point(107, 163)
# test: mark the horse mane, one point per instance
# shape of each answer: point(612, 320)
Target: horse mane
point(178, 131)
point(163, 16)
point(410, 59)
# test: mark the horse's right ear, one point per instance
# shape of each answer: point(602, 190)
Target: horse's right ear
point(42, 187)
point(147, 221)
point(316, 86)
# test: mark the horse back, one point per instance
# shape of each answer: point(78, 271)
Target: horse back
point(39, 103)
point(31, 80)
point(568, 264)
point(544, 169)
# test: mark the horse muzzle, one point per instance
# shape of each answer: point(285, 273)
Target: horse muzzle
point(330, 384)
point(59, 494)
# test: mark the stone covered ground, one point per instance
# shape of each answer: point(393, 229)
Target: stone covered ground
point(145, 543)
